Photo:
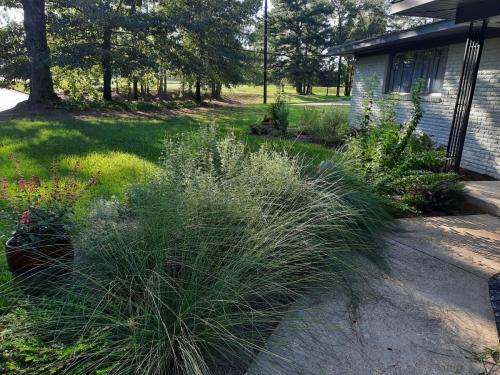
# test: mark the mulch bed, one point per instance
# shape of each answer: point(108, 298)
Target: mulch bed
point(494, 284)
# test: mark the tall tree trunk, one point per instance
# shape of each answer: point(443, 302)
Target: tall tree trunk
point(298, 87)
point(212, 89)
point(160, 85)
point(197, 94)
point(106, 64)
point(339, 78)
point(41, 86)
point(165, 85)
point(216, 90)
point(309, 88)
point(348, 81)
point(135, 94)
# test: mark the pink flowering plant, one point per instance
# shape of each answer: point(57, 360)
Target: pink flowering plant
point(42, 212)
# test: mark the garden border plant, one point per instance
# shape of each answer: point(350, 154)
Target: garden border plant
point(400, 162)
point(328, 126)
point(193, 270)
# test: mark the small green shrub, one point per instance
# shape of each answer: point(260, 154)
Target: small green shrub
point(401, 163)
point(279, 111)
point(326, 125)
point(193, 271)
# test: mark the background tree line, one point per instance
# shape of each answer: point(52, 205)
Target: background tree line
point(102, 45)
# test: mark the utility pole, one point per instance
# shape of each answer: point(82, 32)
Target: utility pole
point(265, 51)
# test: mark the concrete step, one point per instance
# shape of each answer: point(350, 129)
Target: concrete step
point(484, 195)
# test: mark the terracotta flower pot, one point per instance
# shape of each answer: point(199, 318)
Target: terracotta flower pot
point(268, 122)
point(29, 259)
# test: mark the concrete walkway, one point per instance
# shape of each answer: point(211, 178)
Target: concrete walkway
point(324, 103)
point(10, 98)
point(429, 315)
point(485, 195)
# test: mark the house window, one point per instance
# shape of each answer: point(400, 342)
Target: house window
point(408, 68)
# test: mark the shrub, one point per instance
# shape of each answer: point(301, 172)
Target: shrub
point(328, 125)
point(280, 111)
point(192, 272)
point(41, 211)
point(402, 163)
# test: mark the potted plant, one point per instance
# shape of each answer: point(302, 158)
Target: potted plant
point(42, 214)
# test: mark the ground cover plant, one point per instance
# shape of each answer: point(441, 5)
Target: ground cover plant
point(399, 161)
point(325, 125)
point(190, 272)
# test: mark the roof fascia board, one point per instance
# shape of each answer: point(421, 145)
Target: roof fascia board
point(396, 38)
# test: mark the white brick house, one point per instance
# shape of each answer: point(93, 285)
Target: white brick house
point(436, 51)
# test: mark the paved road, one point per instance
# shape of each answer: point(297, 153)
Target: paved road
point(10, 98)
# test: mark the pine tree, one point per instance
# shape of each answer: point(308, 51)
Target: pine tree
point(299, 35)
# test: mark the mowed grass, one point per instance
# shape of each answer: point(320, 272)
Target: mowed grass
point(123, 149)
point(254, 93)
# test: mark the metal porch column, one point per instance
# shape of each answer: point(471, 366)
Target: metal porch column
point(467, 85)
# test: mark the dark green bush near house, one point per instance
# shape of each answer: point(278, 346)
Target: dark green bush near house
point(279, 111)
point(325, 125)
point(401, 163)
point(193, 271)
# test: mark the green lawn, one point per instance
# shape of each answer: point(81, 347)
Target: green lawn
point(123, 149)
point(255, 92)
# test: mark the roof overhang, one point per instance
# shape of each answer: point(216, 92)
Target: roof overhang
point(442, 32)
point(457, 10)
point(427, 36)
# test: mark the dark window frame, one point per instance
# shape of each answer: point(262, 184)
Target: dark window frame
point(407, 67)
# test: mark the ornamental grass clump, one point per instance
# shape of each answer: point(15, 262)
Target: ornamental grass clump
point(194, 269)
point(329, 126)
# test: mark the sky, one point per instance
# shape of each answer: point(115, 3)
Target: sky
point(9, 14)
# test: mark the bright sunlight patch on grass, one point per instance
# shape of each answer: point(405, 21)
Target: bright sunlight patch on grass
point(253, 94)
point(123, 149)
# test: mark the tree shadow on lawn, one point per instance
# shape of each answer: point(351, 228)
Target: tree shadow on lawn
point(45, 139)
point(38, 141)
